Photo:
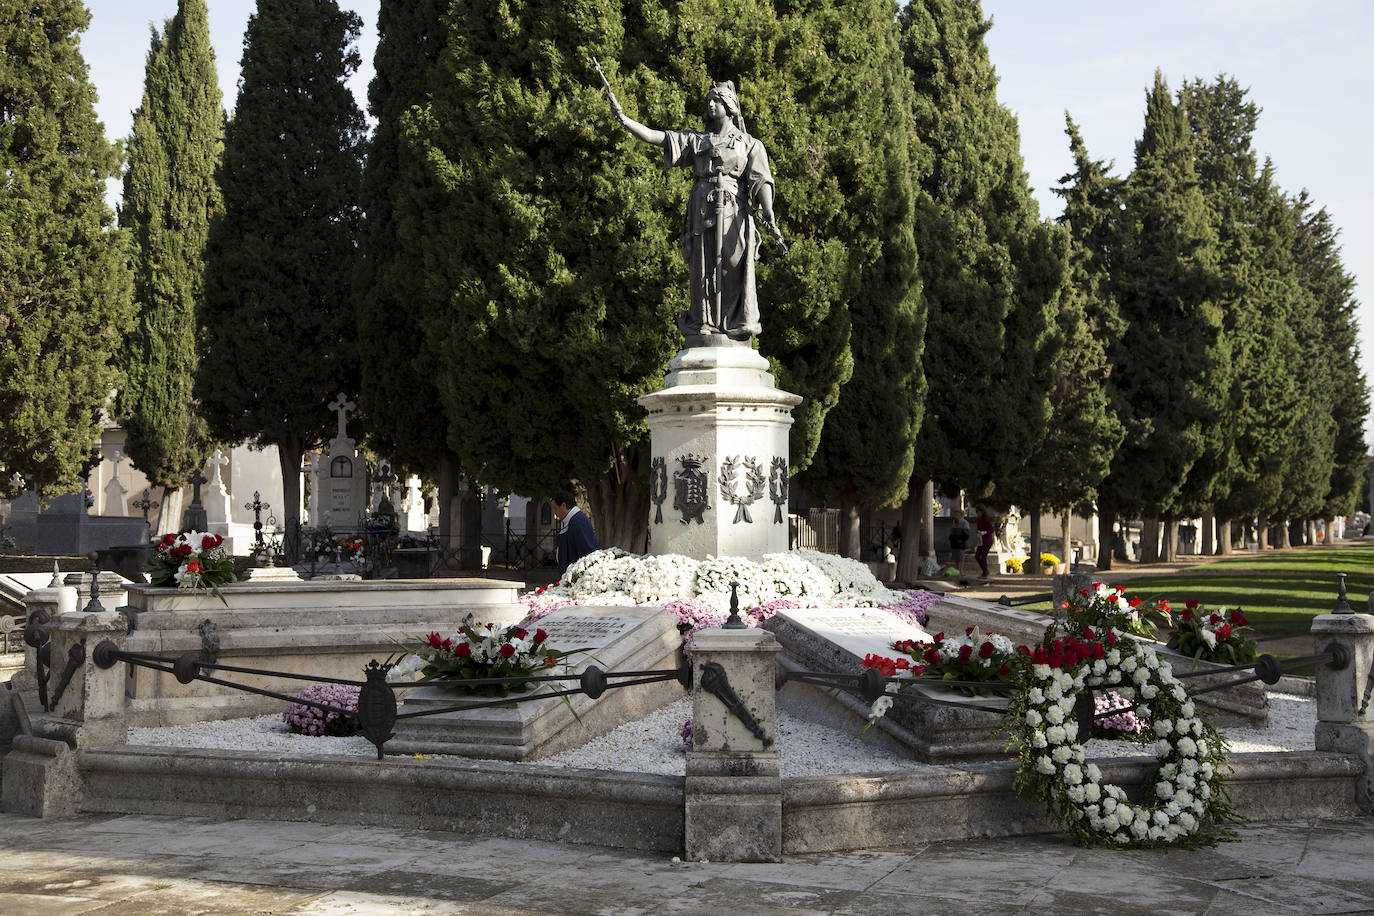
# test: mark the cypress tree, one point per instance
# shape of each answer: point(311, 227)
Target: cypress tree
point(865, 453)
point(990, 272)
point(1331, 292)
point(278, 323)
point(399, 393)
point(64, 280)
point(1083, 432)
point(170, 197)
point(1170, 364)
point(550, 235)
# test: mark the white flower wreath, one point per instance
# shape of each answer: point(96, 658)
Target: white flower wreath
point(1188, 804)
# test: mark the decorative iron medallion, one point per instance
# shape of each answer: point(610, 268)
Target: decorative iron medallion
point(693, 489)
point(777, 488)
point(658, 487)
point(377, 705)
point(755, 482)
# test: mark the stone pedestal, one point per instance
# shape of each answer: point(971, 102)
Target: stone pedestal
point(719, 478)
point(90, 711)
point(1345, 695)
point(733, 792)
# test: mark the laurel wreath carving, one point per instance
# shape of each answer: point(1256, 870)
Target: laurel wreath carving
point(755, 481)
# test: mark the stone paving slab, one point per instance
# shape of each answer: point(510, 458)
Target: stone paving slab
point(169, 866)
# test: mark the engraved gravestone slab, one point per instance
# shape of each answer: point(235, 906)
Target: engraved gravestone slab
point(615, 639)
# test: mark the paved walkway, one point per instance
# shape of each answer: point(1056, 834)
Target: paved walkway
point(151, 866)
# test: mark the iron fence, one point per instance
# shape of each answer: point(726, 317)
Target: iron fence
point(377, 711)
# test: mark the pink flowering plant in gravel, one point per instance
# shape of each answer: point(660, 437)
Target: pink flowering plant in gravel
point(303, 719)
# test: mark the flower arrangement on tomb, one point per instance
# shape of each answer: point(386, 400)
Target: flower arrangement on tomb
point(1048, 561)
point(1214, 636)
point(974, 656)
point(1104, 606)
point(1014, 564)
point(191, 559)
point(1186, 804)
point(303, 719)
point(481, 650)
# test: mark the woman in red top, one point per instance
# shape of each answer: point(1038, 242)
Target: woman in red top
point(985, 534)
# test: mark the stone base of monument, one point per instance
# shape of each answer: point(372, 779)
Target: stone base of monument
point(619, 639)
point(719, 474)
point(324, 629)
point(944, 725)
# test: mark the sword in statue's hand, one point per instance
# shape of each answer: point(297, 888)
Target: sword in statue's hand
point(615, 104)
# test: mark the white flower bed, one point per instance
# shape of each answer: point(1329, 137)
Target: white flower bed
point(804, 576)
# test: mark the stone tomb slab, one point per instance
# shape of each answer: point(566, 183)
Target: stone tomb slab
point(835, 640)
point(618, 639)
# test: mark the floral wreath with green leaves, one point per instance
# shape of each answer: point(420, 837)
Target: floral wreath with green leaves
point(1187, 802)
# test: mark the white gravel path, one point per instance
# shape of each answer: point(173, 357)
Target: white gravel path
point(654, 744)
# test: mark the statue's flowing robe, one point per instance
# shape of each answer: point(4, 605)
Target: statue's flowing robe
point(730, 168)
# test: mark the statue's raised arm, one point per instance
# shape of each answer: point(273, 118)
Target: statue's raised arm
point(732, 181)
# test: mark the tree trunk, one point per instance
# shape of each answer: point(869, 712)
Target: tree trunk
point(1106, 536)
point(169, 511)
point(450, 471)
point(619, 503)
point(290, 450)
point(1033, 561)
point(849, 529)
point(1149, 539)
point(1224, 537)
point(1262, 532)
point(1064, 523)
point(1207, 537)
point(928, 519)
point(1282, 535)
point(469, 533)
point(909, 556)
point(1169, 553)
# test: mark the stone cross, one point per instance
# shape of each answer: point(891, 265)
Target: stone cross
point(195, 482)
point(117, 458)
point(342, 406)
point(218, 461)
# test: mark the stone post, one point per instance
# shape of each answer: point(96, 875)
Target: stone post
point(733, 792)
point(1345, 711)
point(90, 710)
point(40, 777)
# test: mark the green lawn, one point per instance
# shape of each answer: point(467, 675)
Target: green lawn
point(1279, 592)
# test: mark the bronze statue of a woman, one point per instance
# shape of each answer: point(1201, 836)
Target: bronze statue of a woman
point(720, 242)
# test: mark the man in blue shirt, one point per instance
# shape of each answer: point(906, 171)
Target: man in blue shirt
point(577, 539)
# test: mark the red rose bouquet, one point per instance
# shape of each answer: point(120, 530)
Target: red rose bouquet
point(191, 560)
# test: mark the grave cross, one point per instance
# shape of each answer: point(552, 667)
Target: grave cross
point(117, 458)
point(195, 482)
point(218, 461)
point(146, 502)
point(343, 407)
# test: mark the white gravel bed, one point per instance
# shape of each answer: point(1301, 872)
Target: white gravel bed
point(654, 744)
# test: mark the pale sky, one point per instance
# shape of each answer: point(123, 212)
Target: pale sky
point(1306, 62)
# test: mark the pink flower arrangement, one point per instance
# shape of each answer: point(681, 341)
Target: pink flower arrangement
point(310, 720)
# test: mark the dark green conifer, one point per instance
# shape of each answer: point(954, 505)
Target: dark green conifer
point(1171, 364)
point(1331, 291)
point(550, 235)
point(866, 447)
point(1083, 433)
point(278, 325)
point(170, 197)
point(64, 280)
point(991, 273)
